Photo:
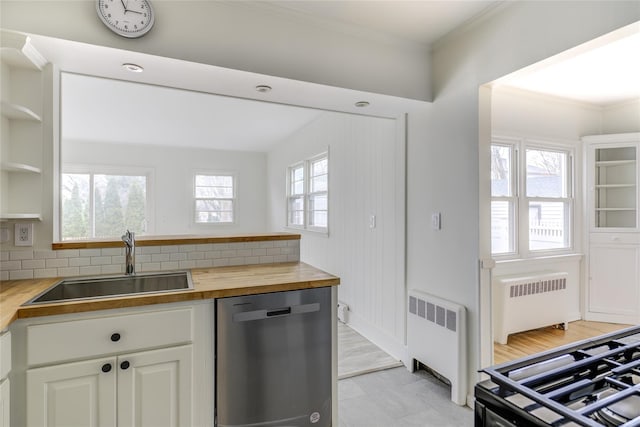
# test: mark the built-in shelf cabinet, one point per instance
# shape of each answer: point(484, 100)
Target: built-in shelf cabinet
point(21, 140)
point(613, 235)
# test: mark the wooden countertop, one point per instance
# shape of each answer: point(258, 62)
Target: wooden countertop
point(176, 240)
point(207, 283)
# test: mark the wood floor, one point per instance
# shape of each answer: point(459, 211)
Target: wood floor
point(531, 342)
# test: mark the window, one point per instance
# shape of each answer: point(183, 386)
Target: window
point(531, 198)
point(214, 199)
point(98, 205)
point(308, 194)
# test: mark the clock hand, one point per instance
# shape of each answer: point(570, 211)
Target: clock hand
point(135, 11)
point(124, 6)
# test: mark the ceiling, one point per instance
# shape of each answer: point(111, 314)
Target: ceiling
point(418, 21)
point(602, 72)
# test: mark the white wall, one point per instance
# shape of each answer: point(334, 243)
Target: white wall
point(366, 177)
point(173, 170)
point(247, 36)
point(444, 156)
point(621, 118)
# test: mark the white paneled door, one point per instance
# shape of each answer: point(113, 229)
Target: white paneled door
point(81, 394)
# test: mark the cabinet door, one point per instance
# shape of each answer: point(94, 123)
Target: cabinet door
point(4, 403)
point(73, 394)
point(614, 272)
point(154, 388)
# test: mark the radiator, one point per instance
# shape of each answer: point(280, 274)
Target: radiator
point(436, 337)
point(528, 301)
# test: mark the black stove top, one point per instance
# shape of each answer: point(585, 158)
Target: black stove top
point(594, 382)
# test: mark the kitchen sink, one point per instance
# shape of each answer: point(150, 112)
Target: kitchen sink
point(83, 288)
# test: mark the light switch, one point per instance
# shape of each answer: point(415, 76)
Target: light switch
point(372, 221)
point(435, 220)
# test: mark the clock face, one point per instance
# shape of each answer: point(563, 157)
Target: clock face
point(128, 18)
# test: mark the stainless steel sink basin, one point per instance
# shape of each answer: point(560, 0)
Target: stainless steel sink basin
point(109, 286)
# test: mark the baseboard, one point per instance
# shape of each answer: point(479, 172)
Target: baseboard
point(380, 338)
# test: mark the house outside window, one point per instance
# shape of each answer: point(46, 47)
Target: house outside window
point(531, 197)
point(100, 205)
point(308, 194)
point(214, 198)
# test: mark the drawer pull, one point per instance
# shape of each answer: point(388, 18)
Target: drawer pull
point(106, 367)
point(115, 337)
point(124, 365)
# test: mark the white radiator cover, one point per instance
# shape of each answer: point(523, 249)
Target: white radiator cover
point(437, 338)
point(528, 301)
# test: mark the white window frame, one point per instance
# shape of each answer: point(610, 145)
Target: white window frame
point(521, 202)
point(92, 170)
point(307, 194)
point(233, 199)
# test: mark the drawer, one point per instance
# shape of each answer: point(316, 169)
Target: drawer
point(616, 238)
point(79, 339)
point(5, 354)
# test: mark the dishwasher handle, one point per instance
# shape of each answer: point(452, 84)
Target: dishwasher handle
point(246, 316)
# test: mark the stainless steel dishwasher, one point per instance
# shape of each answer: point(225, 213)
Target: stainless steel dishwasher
point(273, 359)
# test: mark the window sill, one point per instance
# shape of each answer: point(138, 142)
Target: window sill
point(543, 258)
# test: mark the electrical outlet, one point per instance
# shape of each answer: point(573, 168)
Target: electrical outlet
point(436, 221)
point(24, 234)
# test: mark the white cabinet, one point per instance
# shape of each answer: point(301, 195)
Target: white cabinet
point(129, 369)
point(613, 262)
point(150, 388)
point(73, 394)
point(21, 139)
point(5, 387)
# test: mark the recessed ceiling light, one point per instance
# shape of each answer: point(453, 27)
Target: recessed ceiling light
point(362, 104)
point(134, 68)
point(263, 88)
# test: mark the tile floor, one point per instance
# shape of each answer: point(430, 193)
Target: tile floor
point(397, 398)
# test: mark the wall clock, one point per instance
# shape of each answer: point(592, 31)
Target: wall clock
point(127, 18)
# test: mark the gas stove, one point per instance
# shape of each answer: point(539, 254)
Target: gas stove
point(592, 383)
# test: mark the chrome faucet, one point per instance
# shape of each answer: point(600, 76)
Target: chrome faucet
point(129, 239)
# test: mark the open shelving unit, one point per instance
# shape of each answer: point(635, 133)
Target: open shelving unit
point(22, 132)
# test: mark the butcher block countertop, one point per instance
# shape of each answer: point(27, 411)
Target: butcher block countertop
point(207, 283)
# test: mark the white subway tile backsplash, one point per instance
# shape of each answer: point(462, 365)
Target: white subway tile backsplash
point(111, 251)
point(56, 263)
point(20, 255)
point(195, 255)
point(10, 265)
point(180, 256)
point(68, 253)
point(148, 250)
point(91, 270)
point(187, 264)
point(45, 254)
point(100, 260)
point(150, 266)
point(204, 263)
point(221, 262)
point(160, 257)
point(90, 252)
point(33, 263)
point(79, 262)
point(169, 249)
point(111, 269)
point(90, 262)
point(20, 274)
point(68, 271)
point(169, 265)
point(45, 272)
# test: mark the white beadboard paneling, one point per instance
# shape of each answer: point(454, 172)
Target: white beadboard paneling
point(366, 177)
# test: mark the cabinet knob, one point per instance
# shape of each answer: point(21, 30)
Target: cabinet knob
point(115, 337)
point(124, 365)
point(106, 367)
